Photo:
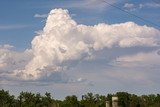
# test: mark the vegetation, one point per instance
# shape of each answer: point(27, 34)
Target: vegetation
point(28, 99)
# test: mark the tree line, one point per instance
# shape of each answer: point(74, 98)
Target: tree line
point(125, 99)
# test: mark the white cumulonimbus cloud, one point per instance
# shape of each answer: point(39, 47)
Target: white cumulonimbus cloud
point(62, 40)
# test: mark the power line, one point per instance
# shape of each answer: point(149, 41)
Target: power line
point(131, 13)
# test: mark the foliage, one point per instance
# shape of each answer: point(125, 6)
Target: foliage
point(28, 99)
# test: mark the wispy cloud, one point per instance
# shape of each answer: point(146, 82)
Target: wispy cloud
point(149, 5)
point(133, 7)
point(129, 7)
point(16, 26)
point(40, 15)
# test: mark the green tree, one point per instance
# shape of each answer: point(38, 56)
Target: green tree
point(26, 99)
point(109, 98)
point(71, 101)
point(90, 100)
point(157, 100)
point(6, 100)
point(134, 101)
point(47, 100)
point(123, 99)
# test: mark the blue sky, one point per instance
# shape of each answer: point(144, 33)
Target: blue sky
point(20, 20)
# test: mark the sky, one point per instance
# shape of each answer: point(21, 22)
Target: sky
point(68, 47)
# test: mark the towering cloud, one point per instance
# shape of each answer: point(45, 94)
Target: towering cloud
point(63, 40)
